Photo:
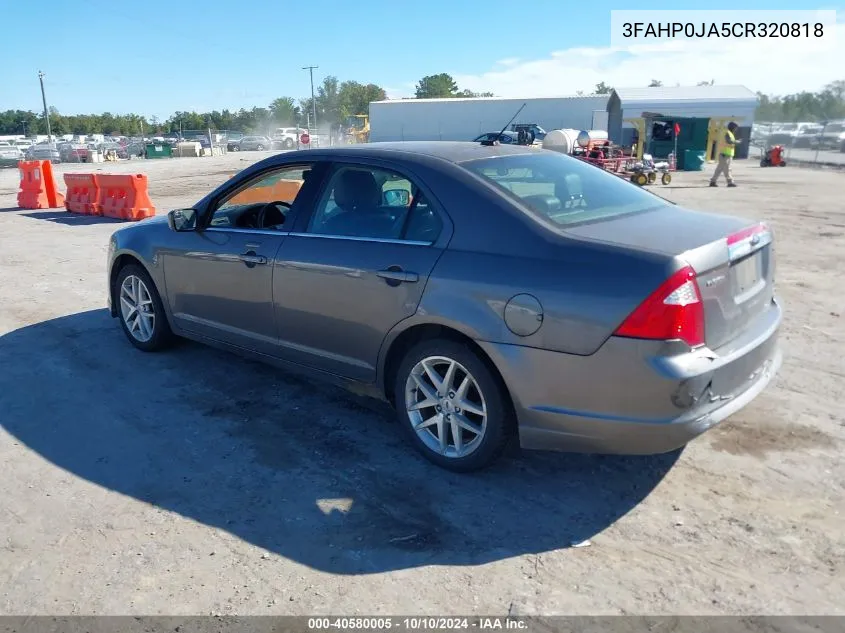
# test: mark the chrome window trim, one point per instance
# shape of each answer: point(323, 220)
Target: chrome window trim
point(219, 229)
point(351, 238)
point(378, 240)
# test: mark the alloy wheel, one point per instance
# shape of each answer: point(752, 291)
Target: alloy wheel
point(137, 309)
point(446, 407)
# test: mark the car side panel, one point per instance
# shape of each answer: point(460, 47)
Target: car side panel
point(332, 308)
point(583, 296)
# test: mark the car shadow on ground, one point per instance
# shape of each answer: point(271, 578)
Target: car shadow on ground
point(72, 219)
point(302, 469)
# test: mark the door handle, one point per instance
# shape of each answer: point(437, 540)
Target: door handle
point(396, 274)
point(251, 258)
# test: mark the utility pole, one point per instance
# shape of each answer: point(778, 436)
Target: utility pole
point(310, 70)
point(23, 123)
point(46, 112)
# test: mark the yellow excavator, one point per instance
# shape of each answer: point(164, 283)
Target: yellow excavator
point(357, 129)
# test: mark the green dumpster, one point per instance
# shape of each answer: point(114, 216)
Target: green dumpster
point(693, 160)
point(158, 150)
point(692, 136)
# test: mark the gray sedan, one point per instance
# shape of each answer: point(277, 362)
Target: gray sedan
point(259, 143)
point(488, 293)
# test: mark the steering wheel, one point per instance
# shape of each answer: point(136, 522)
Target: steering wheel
point(269, 209)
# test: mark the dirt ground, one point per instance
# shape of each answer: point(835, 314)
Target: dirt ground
point(195, 482)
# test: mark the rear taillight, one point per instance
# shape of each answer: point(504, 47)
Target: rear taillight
point(673, 311)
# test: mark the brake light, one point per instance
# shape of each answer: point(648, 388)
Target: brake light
point(673, 311)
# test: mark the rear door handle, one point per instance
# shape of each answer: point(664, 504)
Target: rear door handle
point(251, 258)
point(396, 274)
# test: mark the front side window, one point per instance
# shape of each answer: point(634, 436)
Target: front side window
point(374, 203)
point(263, 204)
point(563, 189)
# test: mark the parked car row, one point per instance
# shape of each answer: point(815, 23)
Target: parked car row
point(812, 135)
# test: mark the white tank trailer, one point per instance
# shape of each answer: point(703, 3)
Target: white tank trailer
point(566, 140)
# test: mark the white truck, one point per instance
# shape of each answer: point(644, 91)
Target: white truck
point(286, 136)
point(465, 119)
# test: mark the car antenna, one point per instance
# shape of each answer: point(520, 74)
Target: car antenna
point(499, 135)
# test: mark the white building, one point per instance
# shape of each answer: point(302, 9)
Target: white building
point(696, 102)
point(463, 119)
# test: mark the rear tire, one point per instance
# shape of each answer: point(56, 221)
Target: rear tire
point(473, 405)
point(260, 148)
point(140, 310)
point(666, 178)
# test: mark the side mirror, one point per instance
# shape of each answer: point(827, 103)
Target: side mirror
point(181, 220)
point(396, 198)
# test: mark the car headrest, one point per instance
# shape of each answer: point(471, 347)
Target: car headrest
point(544, 203)
point(357, 191)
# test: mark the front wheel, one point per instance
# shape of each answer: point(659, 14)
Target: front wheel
point(452, 405)
point(260, 148)
point(288, 143)
point(235, 148)
point(666, 178)
point(140, 310)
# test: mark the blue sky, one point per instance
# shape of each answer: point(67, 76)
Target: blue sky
point(159, 56)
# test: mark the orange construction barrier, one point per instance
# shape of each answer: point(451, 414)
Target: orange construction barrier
point(38, 189)
point(124, 197)
point(83, 192)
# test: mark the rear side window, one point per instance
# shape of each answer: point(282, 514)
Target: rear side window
point(563, 189)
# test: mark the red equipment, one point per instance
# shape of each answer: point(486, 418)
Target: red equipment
point(773, 157)
point(613, 160)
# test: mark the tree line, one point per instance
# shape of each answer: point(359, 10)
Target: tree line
point(335, 100)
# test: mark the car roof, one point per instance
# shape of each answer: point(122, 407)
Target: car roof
point(417, 151)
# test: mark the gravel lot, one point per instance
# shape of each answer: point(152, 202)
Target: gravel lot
point(195, 482)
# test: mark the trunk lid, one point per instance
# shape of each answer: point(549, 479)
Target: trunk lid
point(733, 260)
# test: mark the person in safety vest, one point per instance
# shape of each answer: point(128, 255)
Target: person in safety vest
point(726, 149)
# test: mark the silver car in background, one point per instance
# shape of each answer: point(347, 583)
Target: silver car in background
point(43, 151)
point(10, 155)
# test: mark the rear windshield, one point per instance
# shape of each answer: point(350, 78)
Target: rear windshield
point(563, 189)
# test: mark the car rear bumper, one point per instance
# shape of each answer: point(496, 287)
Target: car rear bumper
point(630, 397)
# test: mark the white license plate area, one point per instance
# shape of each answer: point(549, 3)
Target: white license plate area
point(747, 274)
